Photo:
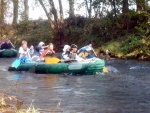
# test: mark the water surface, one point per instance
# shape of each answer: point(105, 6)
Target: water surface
point(125, 89)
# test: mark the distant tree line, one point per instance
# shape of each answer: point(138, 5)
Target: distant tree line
point(94, 8)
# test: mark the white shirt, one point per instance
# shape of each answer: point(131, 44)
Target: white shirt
point(66, 57)
point(23, 53)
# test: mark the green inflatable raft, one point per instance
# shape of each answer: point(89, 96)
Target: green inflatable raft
point(8, 53)
point(87, 67)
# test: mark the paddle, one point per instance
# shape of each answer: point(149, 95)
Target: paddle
point(16, 63)
point(55, 60)
point(32, 69)
point(48, 60)
point(52, 60)
point(12, 44)
point(104, 69)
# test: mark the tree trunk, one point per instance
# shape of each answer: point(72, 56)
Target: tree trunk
point(44, 8)
point(125, 7)
point(15, 11)
point(140, 5)
point(56, 24)
point(58, 29)
point(53, 11)
point(2, 12)
point(71, 8)
point(114, 5)
point(61, 11)
point(26, 11)
point(47, 13)
point(89, 8)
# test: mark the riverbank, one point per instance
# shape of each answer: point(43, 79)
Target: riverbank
point(130, 48)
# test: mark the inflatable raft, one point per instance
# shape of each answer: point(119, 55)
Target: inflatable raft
point(8, 53)
point(86, 67)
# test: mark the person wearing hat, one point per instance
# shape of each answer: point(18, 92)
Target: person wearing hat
point(66, 50)
point(48, 52)
point(40, 48)
point(84, 52)
point(71, 55)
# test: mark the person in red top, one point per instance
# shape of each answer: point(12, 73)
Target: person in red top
point(48, 52)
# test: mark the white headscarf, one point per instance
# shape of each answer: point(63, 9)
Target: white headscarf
point(66, 47)
point(41, 43)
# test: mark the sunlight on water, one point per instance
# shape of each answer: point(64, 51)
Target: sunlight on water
point(139, 67)
point(3, 68)
point(79, 93)
point(15, 77)
point(135, 67)
point(62, 89)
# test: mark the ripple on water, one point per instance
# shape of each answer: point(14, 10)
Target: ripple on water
point(3, 68)
point(126, 88)
point(62, 89)
point(15, 77)
point(138, 67)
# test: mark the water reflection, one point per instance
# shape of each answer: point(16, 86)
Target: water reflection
point(16, 77)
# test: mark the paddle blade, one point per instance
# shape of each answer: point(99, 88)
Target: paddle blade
point(51, 60)
point(16, 63)
point(105, 70)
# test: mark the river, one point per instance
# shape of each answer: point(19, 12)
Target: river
point(125, 89)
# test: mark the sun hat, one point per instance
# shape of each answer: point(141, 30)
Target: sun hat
point(66, 47)
point(41, 43)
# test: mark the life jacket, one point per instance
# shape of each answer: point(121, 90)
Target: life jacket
point(84, 49)
point(83, 54)
point(72, 56)
point(45, 52)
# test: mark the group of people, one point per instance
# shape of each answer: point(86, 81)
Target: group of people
point(6, 44)
point(34, 53)
point(70, 53)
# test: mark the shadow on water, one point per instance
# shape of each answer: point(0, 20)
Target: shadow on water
point(125, 89)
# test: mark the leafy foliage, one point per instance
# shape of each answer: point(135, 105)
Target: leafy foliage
point(33, 32)
point(130, 44)
point(122, 37)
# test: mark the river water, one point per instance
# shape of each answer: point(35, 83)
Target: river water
point(125, 89)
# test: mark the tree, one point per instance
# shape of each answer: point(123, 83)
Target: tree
point(26, 9)
point(56, 23)
point(61, 11)
point(125, 6)
point(89, 7)
point(114, 5)
point(45, 10)
point(71, 8)
point(15, 11)
point(140, 5)
point(2, 12)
